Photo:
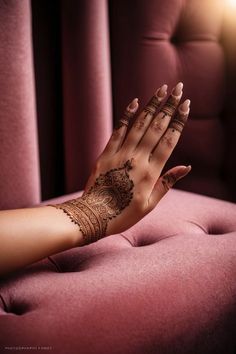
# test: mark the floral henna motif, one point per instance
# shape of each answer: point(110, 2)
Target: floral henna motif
point(110, 194)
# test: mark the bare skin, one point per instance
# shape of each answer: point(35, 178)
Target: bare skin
point(124, 186)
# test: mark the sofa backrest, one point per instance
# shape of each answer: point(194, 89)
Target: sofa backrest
point(151, 43)
point(156, 42)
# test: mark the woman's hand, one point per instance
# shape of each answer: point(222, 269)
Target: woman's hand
point(126, 183)
point(124, 186)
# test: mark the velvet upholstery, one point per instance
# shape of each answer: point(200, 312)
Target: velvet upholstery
point(167, 285)
point(92, 57)
point(171, 41)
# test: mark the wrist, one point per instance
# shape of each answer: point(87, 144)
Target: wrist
point(110, 194)
point(62, 226)
point(85, 217)
point(84, 222)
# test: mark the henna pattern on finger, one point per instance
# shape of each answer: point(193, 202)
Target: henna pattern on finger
point(168, 140)
point(168, 180)
point(152, 106)
point(157, 125)
point(127, 115)
point(170, 106)
point(179, 122)
point(139, 124)
point(110, 194)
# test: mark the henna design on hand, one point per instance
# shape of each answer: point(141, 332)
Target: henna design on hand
point(152, 106)
point(110, 194)
point(140, 123)
point(157, 125)
point(170, 107)
point(168, 180)
point(127, 115)
point(179, 121)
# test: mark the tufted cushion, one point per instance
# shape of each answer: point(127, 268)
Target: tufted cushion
point(156, 42)
point(167, 285)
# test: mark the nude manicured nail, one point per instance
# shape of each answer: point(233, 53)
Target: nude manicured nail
point(162, 91)
point(133, 106)
point(177, 90)
point(188, 168)
point(184, 107)
point(182, 172)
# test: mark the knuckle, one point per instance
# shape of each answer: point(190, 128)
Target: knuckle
point(117, 134)
point(134, 163)
point(139, 124)
point(158, 126)
point(168, 142)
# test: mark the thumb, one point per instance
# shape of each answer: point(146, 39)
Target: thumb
point(165, 182)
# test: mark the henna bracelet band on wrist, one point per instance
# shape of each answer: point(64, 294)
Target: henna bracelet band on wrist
point(110, 194)
point(81, 214)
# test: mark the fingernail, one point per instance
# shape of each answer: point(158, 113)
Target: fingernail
point(177, 90)
point(133, 106)
point(188, 168)
point(184, 107)
point(162, 91)
point(183, 171)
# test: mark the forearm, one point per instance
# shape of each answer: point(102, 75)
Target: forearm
point(28, 235)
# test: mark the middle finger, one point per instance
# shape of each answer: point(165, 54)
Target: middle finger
point(160, 123)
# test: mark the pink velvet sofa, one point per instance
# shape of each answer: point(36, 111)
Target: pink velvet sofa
point(167, 285)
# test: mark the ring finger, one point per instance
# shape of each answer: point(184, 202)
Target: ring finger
point(160, 123)
point(169, 140)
